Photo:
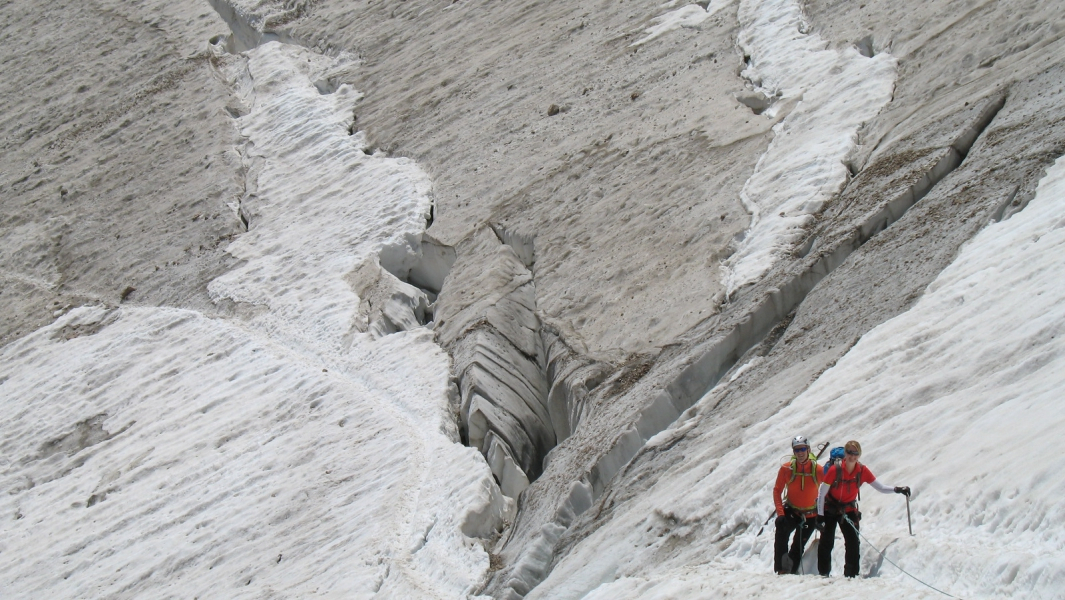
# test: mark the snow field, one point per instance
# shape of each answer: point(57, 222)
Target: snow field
point(958, 398)
point(717, 581)
point(805, 165)
point(279, 453)
point(319, 204)
point(235, 467)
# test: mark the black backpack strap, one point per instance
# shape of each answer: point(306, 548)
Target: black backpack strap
point(839, 474)
point(858, 480)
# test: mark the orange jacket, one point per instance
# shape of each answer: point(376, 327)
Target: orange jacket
point(801, 485)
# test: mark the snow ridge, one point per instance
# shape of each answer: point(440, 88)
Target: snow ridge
point(805, 166)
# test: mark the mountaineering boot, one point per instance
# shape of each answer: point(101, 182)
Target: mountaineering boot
point(785, 565)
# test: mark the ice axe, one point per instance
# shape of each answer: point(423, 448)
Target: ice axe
point(909, 523)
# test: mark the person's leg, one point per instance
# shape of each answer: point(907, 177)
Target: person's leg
point(785, 525)
point(850, 540)
point(824, 548)
point(802, 535)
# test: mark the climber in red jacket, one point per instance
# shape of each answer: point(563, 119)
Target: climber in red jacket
point(837, 502)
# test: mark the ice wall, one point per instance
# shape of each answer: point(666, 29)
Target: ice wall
point(521, 388)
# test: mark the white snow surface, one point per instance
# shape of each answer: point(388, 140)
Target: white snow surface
point(306, 168)
point(689, 16)
point(156, 452)
point(717, 581)
point(805, 166)
point(959, 398)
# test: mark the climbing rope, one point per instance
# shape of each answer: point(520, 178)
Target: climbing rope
point(884, 556)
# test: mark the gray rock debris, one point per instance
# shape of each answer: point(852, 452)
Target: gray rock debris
point(113, 182)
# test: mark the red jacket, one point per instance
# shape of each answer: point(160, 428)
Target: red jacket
point(845, 486)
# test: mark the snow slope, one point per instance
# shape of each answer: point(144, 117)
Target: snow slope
point(959, 398)
point(156, 451)
point(201, 459)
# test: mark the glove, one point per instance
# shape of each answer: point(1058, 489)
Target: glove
point(819, 523)
point(905, 491)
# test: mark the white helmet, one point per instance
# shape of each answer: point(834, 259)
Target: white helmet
point(799, 441)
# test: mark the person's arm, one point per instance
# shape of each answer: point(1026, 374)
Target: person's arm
point(821, 493)
point(883, 489)
point(778, 489)
point(886, 489)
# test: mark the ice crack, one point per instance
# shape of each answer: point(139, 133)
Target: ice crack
point(805, 166)
point(250, 29)
point(703, 373)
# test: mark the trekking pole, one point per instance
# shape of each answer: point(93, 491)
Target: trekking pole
point(767, 519)
point(909, 523)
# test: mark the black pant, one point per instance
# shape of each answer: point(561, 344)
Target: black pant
point(803, 529)
point(850, 540)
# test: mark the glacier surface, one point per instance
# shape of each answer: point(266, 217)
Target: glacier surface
point(473, 299)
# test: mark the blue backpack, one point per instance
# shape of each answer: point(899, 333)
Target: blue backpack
point(835, 457)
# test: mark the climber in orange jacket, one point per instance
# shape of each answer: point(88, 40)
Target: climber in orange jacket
point(797, 509)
